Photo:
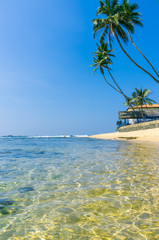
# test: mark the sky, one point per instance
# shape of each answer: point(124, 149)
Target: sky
point(46, 83)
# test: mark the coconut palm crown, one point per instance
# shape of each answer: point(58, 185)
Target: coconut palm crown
point(102, 60)
point(116, 21)
point(102, 57)
point(140, 97)
point(129, 17)
point(110, 23)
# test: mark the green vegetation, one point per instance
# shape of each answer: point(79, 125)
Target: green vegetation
point(102, 60)
point(119, 21)
point(139, 98)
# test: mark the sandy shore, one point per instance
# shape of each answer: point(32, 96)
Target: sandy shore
point(149, 135)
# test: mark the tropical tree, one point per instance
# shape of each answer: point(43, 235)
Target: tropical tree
point(139, 98)
point(115, 24)
point(132, 18)
point(102, 60)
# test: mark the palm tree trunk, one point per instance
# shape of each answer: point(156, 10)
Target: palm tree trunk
point(142, 112)
point(109, 39)
point(117, 84)
point(133, 60)
point(130, 105)
point(110, 83)
point(142, 54)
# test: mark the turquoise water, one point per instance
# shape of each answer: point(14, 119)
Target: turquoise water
point(78, 188)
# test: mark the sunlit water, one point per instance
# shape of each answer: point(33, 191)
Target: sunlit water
point(78, 188)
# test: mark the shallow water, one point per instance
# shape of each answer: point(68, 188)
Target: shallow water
point(78, 188)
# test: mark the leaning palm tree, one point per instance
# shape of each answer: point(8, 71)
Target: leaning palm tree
point(130, 17)
point(102, 60)
point(113, 25)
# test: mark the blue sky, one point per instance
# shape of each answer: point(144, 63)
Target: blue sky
point(46, 84)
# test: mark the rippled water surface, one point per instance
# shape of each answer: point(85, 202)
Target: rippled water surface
point(78, 188)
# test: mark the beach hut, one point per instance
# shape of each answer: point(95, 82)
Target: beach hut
point(138, 114)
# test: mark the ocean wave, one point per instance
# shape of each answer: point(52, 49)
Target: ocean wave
point(61, 136)
point(38, 136)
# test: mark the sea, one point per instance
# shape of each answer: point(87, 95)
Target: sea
point(79, 188)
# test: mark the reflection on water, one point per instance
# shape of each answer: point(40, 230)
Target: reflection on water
point(78, 189)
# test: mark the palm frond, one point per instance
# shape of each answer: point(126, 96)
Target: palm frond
point(140, 97)
point(120, 31)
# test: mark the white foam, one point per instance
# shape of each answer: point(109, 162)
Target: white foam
point(60, 136)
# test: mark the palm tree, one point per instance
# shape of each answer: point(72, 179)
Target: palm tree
point(110, 24)
point(114, 25)
point(102, 60)
point(132, 18)
point(140, 98)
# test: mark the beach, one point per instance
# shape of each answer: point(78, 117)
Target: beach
point(148, 135)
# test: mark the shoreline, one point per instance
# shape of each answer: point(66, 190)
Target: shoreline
point(146, 136)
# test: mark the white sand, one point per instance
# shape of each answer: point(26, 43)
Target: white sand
point(148, 135)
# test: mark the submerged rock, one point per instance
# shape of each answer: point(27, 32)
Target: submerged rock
point(4, 211)
point(6, 202)
point(5, 206)
point(26, 189)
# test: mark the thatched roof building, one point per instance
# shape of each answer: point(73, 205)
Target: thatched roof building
point(146, 111)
